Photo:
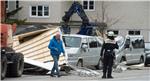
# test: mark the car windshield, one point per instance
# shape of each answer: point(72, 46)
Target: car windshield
point(72, 41)
point(120, 40)
point(147, 45)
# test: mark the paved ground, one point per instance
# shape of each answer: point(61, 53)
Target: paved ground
point(128, 75)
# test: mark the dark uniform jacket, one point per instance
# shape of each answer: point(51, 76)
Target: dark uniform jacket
point(108, 47)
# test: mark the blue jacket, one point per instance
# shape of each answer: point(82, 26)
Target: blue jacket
point(55, 47)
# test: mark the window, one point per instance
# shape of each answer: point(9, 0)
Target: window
point(6, 4)
point(33, 11)
point(138, 43)
point(17, 4)
point(85, 5)
point(88, 4)
point(71, 41)
point(116, 32)
point(39, 11)
point(46, 10)
point(134, 32)
point(93, 43)
point(91, 5)
point(120, 40)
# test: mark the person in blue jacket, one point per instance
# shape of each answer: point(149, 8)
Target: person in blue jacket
point(56, 48)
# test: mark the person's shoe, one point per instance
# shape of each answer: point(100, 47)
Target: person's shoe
point(58, 76)
point(103, 77)
point(52, 75)
point(110, 77)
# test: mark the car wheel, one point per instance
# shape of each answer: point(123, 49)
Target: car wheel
point(141, 60)
point(3, 66)
point(16, 68)
point(80, 63)
point(99, 66)
point(122, 60)
point(145, 64)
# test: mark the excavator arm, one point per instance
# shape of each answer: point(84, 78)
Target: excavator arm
point(86, 27)
point(76, 7)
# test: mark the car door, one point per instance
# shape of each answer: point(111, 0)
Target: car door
point(128, 51)
point(84, 52)
point(138, 49)
point(93, 50)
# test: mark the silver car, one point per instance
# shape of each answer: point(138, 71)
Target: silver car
point(131, 49)
point(83, 50)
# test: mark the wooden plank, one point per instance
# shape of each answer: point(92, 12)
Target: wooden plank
point(33, 47)
point(40, 37)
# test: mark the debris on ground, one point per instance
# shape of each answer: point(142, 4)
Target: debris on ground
point(136, 67)
point(120, 67)
point(123, 67)
point(84, 72)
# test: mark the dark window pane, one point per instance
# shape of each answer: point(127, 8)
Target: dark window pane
point(85, 4)
point(91, 4)
point(85, 7)
point(33, 13)
point(138, 43)
point(33, 8)
point(6, 4)
point(40, 11)
point(93, 43)
point(17, 4)
point(46, 11)
point(39, 7)
point(116, 32)
point(91, 7)
point(131, 32)
point(137, 32)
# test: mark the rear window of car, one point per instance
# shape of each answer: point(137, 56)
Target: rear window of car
point(147, 45)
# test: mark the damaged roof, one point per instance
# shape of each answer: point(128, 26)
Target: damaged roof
point(21, 29)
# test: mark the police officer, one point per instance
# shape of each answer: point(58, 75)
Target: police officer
point(108, 55)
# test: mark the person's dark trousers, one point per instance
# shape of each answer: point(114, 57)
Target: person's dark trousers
point(55, 66)
point(107, 65)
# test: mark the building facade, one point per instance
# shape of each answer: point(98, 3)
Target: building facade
point(128, 17)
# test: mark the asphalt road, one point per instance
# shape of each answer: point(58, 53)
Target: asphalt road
point(128, 75)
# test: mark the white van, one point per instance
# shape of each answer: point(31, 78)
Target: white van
point(83, 50)
point(131, 49)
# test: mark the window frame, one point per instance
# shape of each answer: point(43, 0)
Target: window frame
point(88, 5)
point(134, 32)
point(7, 8)
point(17, 4)
point(93, 39)
point(43, 11)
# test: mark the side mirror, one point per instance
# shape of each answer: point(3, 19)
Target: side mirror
point(84, 46)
